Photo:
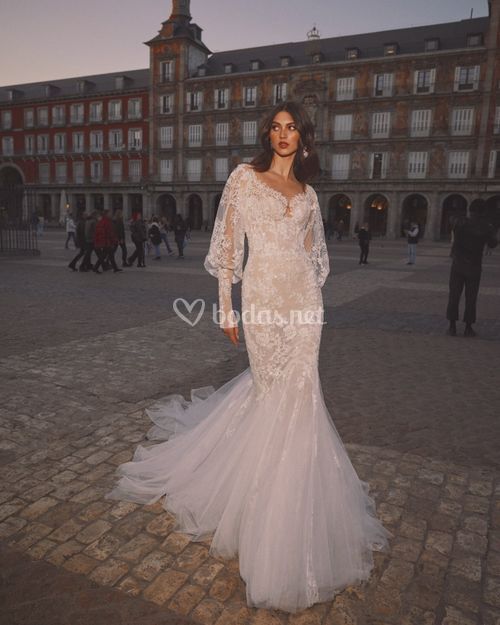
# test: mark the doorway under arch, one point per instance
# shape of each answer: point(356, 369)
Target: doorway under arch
point(195, 211)
point(339, 209)
point(454, 205)
point(11, 194)
point(415, 208)
point(167, 206)
point(375, 213)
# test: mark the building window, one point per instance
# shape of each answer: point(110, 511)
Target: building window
point(96, 171)
point(462, 121)
point(116, 171)
point(95, 111)
point(58, 115)
point(496, 125)
point(421, 123)
point(345, 88)
point(44, 173)
point(6, 120)
point(424, 81)
point(78, 145)
point(193, 169)
point(7, 146)
point(166, 170)
point(42, 115)
point(228, 68)
point(166, 137)
point(466, 78)
point(221, 133)
point(494, 166)
point(381, 125)
point(114, 110)
point(378, 165)
point(29, 144)
point(96, 141)
point(194, 100)
point(249, 132)
point(342, 127)
point(115, 138)
point(285, 61)
point(431, 45)
point(390, 49)
point(61, 173)
point(42, 144)
point(135, 170)
point(60, 143)
point(166, 71)
point(250, 96)
point(340, 166)
point(221, 98)
point(417, 164)
point(78, 172)
point(134, 108)
point(135, 139)
point(29, 118)
point(279, 92)
point(474, 40)
point(351, 54)
point(76, 113)
point(458, 164)
point(221, 169)
point(255, 65)
point(382, 85)
point(166, 104)
point(195, 134)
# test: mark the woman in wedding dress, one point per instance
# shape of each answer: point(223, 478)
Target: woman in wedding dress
point(258, 463)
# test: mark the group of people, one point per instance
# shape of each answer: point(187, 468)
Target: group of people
point(100, 233)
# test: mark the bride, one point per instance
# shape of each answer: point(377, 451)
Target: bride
point(258, 462)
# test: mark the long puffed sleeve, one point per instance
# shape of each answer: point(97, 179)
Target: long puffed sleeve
point(314, 242)
point(227, 245)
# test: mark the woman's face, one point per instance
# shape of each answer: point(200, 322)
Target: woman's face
point(284, 135)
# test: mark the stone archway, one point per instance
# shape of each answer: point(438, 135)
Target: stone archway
point(195, 211)
point(415, 208)
point(167, 207)
point(375, 213)
point(11, 194)
point(454, 205)
point(339, 209)
point(492, 210)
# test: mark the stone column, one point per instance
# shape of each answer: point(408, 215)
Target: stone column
point(106, 201)
point(357, 211)
point(54, 206)
point(88, 201)
point(126, 206)
point(432, 226)
point(394, 215)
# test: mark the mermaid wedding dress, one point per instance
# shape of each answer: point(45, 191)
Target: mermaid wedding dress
point(258, 462)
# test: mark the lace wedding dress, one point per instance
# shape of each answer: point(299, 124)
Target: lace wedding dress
point(258, 462)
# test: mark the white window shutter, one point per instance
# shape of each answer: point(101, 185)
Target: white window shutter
point(432, 84)
point(385, 161)
point(389, 83)
point(415, 81)
point(492, 164)
point(188, 101)
point(372, 159)
point(457, 78)
point(477, 69)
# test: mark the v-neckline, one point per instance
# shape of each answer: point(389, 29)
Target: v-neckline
point(282, 196)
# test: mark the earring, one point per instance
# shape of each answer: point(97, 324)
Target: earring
point(305, 152)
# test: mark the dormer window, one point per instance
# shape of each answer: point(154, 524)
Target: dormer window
point(390, 49)
point(255, 65)
point(83, 86)
point(286, 61)
point(228, 68)
point(474, 40)
point(432, 44)
point(14, 94)
point(202, 70)
point(50, 90)
point(318, 57)
point(352, 53)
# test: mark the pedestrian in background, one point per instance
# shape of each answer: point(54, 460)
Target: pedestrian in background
point(105, 242)
point(412, 235)
point(180, 234)
point(154, 236)
point(70, 231)
point(119, 227)
point(139, 236)
point(164, 230)
point(80, 240)
point(90, 223)
point(364, 237)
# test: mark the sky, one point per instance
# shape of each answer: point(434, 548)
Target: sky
point(50, 39)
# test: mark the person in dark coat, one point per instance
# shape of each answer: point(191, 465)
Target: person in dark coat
point(90, 223)
point(180, 230)
point(119, 227)
point(364, 238)
point(139, 236)
point(154, 234)
point(80, 240)
point(470, 235)
point(105, 242)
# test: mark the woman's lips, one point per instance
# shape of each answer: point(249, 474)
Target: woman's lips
point(283, 144)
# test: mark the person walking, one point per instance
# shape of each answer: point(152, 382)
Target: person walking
point(164, 230)
point(139, 237)
point(340, 230)
point(470, 235)
point(70, 231)
point(180, 229)
point(412, 236)
point(80, 240)
point(105, 242)
point(364, 237)
point(119, 227)
point(90, 224)
point(154, 235)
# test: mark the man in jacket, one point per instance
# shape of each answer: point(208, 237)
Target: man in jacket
point(105, 242)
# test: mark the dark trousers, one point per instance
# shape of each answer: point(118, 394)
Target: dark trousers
point(70, 236)
point(468, 275)
point(123, 248)
point(80, 254)
point(363, 256)
point(180, 245)
point(138, 253)
point(87, 259)
point(105, 255)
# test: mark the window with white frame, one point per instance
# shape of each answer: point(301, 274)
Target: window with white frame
point(95, 111)
point(166, 137)
point(342, 127)
point(58, 115)
point(417, 164)
point(96, 141)
point(424, 81)
point(115, 170)
point(496, 123)
point(194, 100)
point(249, 132)
point(6, 120)
point(115, 139)
point(222, 133)
point(195, 134)
point(78, 172)
point(134, 108)
point(96, 171)
point(166, 71)
point(467, 78)
point(114, 110)
point(378, 165)
point(166, 170)
point(7, 146)
point(44, 173)
point(279, 92)
point(494, 165)
point(76, 113)
point(78, 142)
point(166, 104)
point(193, 169)
point(345, 88)
point(250, 96)
point(458, 164)
point(134, 170)
point(42, 144)
point(340, 166)
point(462, 121)
point(29, 144)
point(60, 143)
point(381, 125)
point(29, 118)
point(221, 169)
point(135, 139)
point(42, 116)
point(382, 85)
point(221, 98)
point(420, 125)
point(61, 173)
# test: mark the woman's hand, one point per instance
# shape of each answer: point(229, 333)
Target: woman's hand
point(233, 334)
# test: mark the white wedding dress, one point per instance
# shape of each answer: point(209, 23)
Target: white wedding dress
point(259, 462)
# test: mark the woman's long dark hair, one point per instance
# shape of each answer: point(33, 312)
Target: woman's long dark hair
point(304, 167)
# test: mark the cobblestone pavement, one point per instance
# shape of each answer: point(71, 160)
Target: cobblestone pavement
point(82, 355)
